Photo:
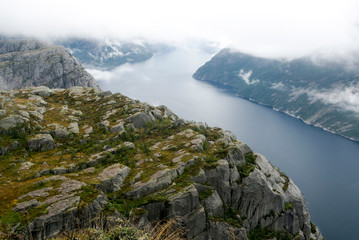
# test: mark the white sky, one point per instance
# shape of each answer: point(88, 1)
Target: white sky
point(277, 28)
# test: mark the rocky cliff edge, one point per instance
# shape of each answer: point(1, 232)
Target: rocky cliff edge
point(26, 63)
point(78, 157)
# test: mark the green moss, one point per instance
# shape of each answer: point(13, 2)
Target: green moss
point(266, 233)
point(10, 218)
point(313, 228)
point(270, 214)
point(250, 158)
point(88, 194)
point(125, 205)
point(183, 180)
point(288, 206)
point(244, 171)
point(205, 194)
point(33, 213)
point(286, 178)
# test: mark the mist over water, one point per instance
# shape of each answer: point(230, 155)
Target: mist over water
point(323, 165)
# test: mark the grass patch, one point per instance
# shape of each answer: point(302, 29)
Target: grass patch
point(286, 183)
point(244, 171)
point(126, 205)
point(288, 206)
point(313, 228)
point(266, 233)
point(205, 194)
point(88, 194)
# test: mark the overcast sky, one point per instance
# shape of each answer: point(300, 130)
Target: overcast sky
point(278, 28)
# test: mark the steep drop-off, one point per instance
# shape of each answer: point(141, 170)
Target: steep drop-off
point(79, 157)
point(26, 63)
point(320, 92)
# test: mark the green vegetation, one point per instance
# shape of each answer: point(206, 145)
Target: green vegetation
point(245, 170)
point(288, 206)
point(127, 206)
point(78, 159)
point(88, 194)
point(286, 178)
point(266, 233)
point(313, 228)
point(205, 194)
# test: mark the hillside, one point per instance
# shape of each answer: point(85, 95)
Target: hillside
point(79, 157)
point(27, 63)
point(106, 54)
point(320, 92)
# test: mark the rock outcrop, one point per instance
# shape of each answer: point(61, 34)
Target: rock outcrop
point(82, 156)
point(26, 63)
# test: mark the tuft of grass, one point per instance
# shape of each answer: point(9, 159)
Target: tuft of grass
point(288, 206)
point(250, 158)
point(313, 228)
point(88, 194)
point(286, 183)
point(168, 230)
point(266, 233)
point(244, 171)
point(205, 194)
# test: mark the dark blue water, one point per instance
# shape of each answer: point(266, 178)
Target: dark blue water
point(324, 166)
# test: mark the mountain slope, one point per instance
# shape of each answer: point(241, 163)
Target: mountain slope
point(107, 54)
point(322, 93)
point(80, 157)
point(26, 63)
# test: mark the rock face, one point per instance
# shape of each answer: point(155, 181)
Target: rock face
point(113, 177)
point(26, 63)
point(113, 155)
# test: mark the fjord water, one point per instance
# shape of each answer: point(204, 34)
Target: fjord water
point(324, 166)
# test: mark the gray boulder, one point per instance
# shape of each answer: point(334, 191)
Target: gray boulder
point(213, 205)
point(3, 113)
point(118, 127)
point(12, 121)
point(21, 207)
point(140, 119)
point(221, 230)
point(159, 180)
point(74, 128)
point(236, 157)
point(42, 91)
point(41, 142)
point(113, 177)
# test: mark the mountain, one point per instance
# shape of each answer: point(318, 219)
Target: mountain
point(106, 54)
point(26, 63)
point(79, 157)
point(320, 92)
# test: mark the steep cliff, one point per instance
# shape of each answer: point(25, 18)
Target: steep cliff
point(26, 63)
point(321, 92)
point(80, 157)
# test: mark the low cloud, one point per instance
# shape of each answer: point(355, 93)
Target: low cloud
point(112, 75)
point(345, 98)
point(246, 77)
point(277, 28)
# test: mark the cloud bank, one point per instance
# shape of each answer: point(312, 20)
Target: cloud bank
point(346, 98)
point(277, 28)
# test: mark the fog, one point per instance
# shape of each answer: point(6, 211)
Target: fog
point(277, 28)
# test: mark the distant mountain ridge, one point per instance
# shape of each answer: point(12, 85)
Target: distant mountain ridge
point(28, 63)
point(107, 54)
point(323, 94)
